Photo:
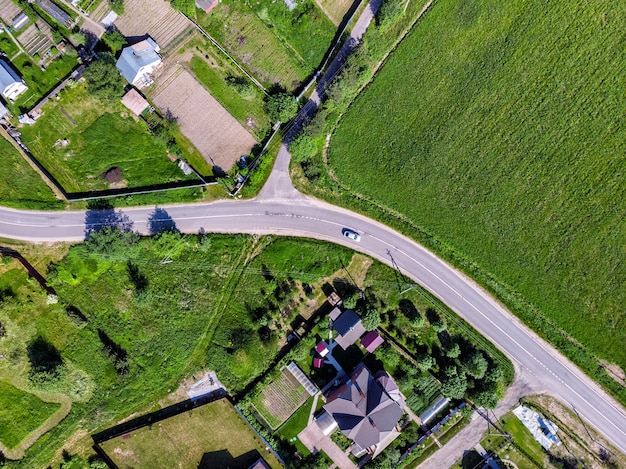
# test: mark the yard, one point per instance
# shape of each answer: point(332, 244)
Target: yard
point(213, 131)
point(335, 9)
point(20, 414)
point(237, 28)
point(20, 185)
point(211, 436)
point(78, 138)
point(278, 401)
point(506, 154)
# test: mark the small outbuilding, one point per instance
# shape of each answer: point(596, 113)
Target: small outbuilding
point(349, 328)
point(318, 363)
point(135, 102)
point(322, 349)
point(371, 341)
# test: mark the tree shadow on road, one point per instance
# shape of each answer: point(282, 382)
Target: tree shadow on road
point(160, 221)
point(101, 214)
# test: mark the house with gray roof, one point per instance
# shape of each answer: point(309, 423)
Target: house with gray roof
point(206, 5)
point(139, 61)
point(367, 409)
point(348, 327)
point(11, 85)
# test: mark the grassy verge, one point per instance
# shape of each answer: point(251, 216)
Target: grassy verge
point(484, 194)
point(21, 413)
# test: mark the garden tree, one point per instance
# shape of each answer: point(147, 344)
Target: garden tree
point(371, 318)
point(281, 107)
point(425, 361)
point(350, 300)
point(103, 78)
point(303, 148)
point(494, 375)
point(475, 364)
point(453, 382)
point(242, 85)
point(311, 461)
point(417, 321)
point(240, 338)
point(452, 350)
point(439, 325)
point(485, 397)
point(114, 39)
point(388, 355)
point(78, 39)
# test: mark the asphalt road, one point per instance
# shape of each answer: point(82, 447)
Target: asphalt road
point(299, 216)
point(281, 210)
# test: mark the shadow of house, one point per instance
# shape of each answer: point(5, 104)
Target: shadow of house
point(160, 221)
point(222, 459)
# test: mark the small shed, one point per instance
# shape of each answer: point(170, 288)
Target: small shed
point(322, 349)
point(318, 363)
point(135, 102)
point(334, 314)
point(371, 341)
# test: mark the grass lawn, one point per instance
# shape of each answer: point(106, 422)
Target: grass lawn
point(100, 136)
point(7, 46)
point(39, 81)
point(503, 146)
point(305, 29)
point(21, 413)
point(237, 28)
point(296, 423)
point(208, 436)
point(524, 439)
point(239, 106)
point(20, 185)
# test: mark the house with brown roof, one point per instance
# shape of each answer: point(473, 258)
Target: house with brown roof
point(367, 409)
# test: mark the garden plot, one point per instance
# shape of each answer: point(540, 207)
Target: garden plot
point(154, 17)
point(8, 11)
point(203, 120)
point(281, 399)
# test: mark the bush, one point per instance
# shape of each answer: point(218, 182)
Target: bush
point(371, 319)
point(281, 107)
point(303, 148)
point(103, 78)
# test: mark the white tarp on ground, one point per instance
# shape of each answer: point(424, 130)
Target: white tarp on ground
point(542, 429)
point(205, 385)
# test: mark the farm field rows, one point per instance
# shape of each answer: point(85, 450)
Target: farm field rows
point(507, 148)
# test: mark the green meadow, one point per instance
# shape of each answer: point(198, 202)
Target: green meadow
point(497, 129)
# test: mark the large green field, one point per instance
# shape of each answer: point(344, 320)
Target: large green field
point(498, 129)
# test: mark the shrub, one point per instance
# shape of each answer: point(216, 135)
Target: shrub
point(103, 79)
point(281, 107)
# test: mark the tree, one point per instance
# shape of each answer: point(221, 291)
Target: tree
point(453, 383)
point(303, 148)
point(487, 397)
point(281, 107)
point(417, 321)
point(103, 79)
point(453, 350)
point(425, 362)
point(390, 11)
point(476, 364)
point(350, 300)
point(494, 375)
point(188, 7)
point(371, 318)
point(114, 40)
point(439, 325)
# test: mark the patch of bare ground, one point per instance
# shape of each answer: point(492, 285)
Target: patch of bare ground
point(217, 135)
point(614, 371)
point(580, 441)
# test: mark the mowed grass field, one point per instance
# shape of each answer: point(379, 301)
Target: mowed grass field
point(100, 136)
point(20, 185)
point(498, 128)
point(205, 437)
point(21, 413)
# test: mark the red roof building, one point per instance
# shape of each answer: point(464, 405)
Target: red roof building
point(322, 349)
point(371, 341)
